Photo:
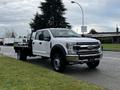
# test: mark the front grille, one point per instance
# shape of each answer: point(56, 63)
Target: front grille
point(87, 43)
point(86, 48)
point(87, 52)
point(82, 47)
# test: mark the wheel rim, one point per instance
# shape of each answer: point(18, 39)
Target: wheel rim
point(56, 63)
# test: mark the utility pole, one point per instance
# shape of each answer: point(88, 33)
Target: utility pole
point(83, 27)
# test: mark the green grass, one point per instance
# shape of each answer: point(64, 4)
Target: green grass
point(115, 47)
point(18, 75)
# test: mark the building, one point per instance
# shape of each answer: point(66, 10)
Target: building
point(106, 37)
point(1, 41)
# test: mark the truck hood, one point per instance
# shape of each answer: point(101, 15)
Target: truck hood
point(81, 39)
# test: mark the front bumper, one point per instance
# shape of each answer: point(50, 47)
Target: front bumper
point(78, 58)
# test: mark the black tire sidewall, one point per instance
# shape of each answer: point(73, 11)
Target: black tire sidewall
point(18, 56)
point(62, 62)
point(93, 65)
point(21, 56)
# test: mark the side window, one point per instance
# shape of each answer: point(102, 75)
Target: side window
point(39, 35)
point(36, 36)
point(33, 36)
point(46, 35)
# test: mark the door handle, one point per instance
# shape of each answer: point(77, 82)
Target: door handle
point(40, 43)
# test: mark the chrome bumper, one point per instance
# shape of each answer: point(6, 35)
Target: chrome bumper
point(74, 58)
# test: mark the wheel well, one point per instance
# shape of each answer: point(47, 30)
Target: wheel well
point(58, 49)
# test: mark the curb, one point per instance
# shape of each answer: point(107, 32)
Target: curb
point(111, 50)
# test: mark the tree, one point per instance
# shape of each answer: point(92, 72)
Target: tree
point(10, 34)
point(51, 17)
point(93, 31)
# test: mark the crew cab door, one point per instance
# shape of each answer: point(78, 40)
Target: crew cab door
point(37, 43)
point(46, 43)
point(41, 44)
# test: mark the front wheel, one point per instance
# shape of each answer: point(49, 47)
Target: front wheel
point(93, 64)
point(58, 62)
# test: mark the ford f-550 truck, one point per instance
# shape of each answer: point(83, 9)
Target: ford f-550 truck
point(62, 46)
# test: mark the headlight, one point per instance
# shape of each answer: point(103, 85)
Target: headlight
point(69, 47)
point(101, 48)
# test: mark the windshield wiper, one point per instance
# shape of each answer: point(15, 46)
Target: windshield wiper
point(75, 36)
point(67, 36)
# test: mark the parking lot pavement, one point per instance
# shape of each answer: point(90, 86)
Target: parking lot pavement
point(8, 51)
point(106, 75)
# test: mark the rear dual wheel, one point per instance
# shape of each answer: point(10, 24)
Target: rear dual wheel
point(21, 56)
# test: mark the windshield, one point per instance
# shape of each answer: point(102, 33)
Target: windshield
point(64, 33)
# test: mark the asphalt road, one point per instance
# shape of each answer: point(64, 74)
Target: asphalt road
point(106, 75)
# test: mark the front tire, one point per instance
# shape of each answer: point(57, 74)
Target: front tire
point(21, 56)
point(58, 62)
point(93, 65)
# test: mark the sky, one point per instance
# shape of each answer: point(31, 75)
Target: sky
point(101, 15)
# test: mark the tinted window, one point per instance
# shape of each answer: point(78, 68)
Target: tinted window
point(46, 34)
point(39, 36)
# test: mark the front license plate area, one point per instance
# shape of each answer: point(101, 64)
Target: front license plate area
point(91, 59)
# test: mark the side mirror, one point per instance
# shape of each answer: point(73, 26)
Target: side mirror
point(47, 38)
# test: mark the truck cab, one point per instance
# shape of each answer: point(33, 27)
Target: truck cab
point(65, 47)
